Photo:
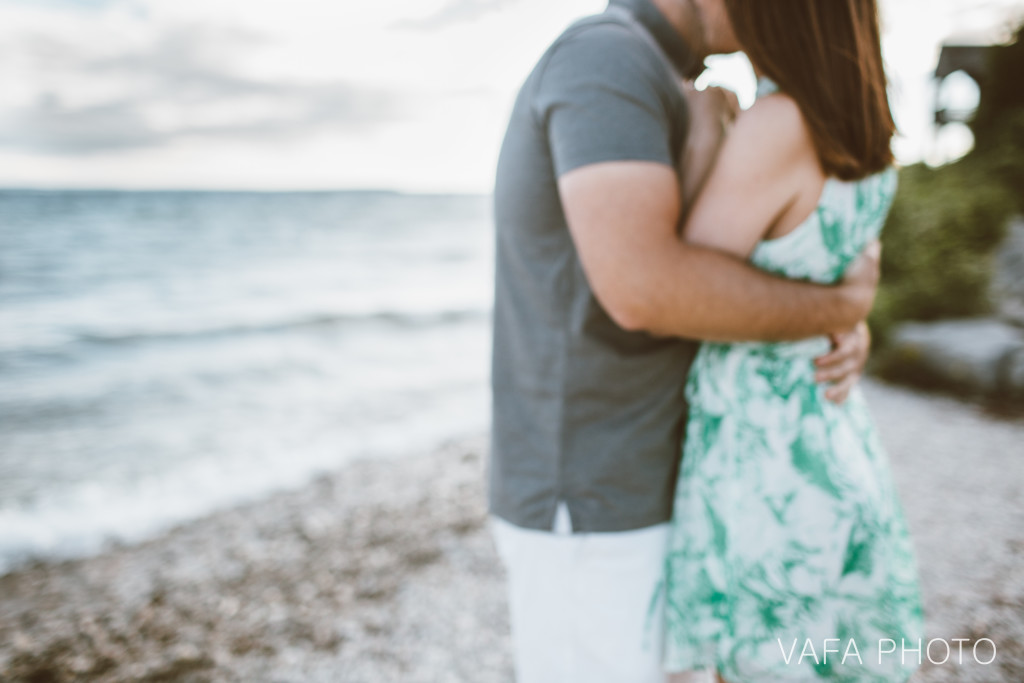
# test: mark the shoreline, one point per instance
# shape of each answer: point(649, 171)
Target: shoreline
point(384, 570)
point(297, 586)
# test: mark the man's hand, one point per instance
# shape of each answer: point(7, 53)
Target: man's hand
point(844, 365)
point(860, 283)
point(719, 104)
point(712, 113)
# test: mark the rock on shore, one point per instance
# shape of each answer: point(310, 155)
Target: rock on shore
point(979, 357)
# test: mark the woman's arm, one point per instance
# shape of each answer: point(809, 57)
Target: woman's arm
point(766, 171)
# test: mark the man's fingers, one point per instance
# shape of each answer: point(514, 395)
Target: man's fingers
point(839, 392)
point(860, 281)
point(731, 102)
point(866, 268)
point(843, 347)
point(874, 250)
point(720, 101)
point(838, 372)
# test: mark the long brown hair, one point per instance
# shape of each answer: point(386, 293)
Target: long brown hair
point(826, 55)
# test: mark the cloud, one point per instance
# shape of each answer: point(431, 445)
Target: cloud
point(304, 93)
point(177, 85)
point(455, 12)
point(48, 126)
point(64, 4)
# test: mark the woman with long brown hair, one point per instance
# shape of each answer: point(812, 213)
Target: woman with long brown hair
point(790, 558)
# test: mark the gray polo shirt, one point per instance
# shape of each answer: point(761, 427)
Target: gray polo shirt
point(583, 411)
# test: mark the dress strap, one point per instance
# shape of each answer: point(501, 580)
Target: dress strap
point(766, 86)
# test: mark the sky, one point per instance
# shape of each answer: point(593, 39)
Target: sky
point(411, 95)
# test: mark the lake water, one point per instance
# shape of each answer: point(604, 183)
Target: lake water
point(163, 354)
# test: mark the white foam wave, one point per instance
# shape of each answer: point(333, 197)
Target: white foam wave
point(85, 519)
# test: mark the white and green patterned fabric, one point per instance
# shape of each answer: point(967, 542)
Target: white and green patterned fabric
point(787, 529)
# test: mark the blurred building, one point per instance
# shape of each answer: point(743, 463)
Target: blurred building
point(972, 60)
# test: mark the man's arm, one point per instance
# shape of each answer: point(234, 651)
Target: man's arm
point(623, 217)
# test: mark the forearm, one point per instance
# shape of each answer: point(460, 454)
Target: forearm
point(622, 217)
point(699, 293)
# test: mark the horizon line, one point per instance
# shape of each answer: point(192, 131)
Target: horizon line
point(243, 190)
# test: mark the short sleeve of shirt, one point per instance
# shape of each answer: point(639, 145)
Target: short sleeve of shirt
point(602, 97)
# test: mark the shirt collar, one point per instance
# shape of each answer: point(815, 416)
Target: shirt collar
point(678, 52)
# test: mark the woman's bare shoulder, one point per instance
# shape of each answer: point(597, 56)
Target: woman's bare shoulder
point(775, 126)
point(763, 174)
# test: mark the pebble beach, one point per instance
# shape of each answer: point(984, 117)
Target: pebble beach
point(384, 570)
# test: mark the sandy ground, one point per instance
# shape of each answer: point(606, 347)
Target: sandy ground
point(384, 571)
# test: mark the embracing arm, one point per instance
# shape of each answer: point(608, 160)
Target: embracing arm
point(623, 218)
point(770, 162)
point(600, 99)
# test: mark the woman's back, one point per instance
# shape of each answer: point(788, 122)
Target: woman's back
point(848, 215)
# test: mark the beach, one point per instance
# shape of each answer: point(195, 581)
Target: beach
point(384, 570)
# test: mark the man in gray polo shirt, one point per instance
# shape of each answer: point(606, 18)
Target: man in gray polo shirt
point(596, 297)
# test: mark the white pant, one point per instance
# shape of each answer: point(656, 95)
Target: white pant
point(580, 604)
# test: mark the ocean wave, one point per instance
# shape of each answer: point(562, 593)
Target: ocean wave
point(86, 518)
point(53, 341)
point(396, 318)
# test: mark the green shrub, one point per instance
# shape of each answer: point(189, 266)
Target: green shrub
point(938, 243)
point(1006, 155)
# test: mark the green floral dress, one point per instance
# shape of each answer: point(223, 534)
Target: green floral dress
point(788, 536)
